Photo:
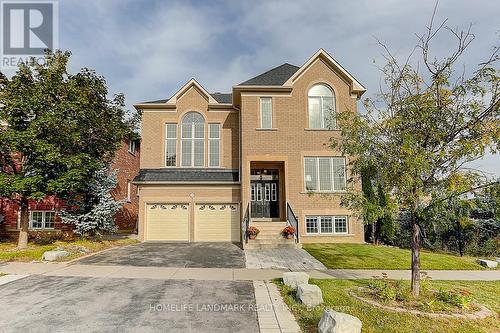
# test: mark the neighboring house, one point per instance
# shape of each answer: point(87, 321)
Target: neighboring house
point(43, 214)
point(214, 164)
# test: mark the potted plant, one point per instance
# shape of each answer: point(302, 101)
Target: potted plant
point(288, 232)
point(253, 232)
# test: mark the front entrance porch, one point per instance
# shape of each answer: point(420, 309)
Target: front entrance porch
point(267, 191)
point(266, 205)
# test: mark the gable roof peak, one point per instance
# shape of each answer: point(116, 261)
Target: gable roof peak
point(356, 87)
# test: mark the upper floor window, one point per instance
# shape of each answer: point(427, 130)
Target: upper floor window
point(193, 140)
point(171, 145)
point(214, 145)
point(324, 174)
point(321, 107)
point(132, 146)
point(266, 112)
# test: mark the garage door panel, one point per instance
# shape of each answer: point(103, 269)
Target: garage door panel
point(217, 222)
point(167, 222)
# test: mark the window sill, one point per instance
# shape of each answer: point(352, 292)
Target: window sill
point(322, 129)
point(266, 129)
point(328, 235)
point(319, 192)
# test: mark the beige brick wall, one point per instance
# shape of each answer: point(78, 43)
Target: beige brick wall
point(153, 130)
point(291, 141)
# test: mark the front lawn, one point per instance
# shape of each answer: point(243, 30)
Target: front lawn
point(376, 320)
point(366, 256)
point(9, 252)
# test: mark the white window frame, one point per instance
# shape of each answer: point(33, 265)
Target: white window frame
point(318, 225)
point(171, 139)
point(44, 214)
point(218, 139)
point(332, 175)
point(129, 191)
point(270, 99)
point(193, 140)
point(132, 146)
point(322, 111)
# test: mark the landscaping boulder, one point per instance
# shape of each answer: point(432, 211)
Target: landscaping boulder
point(54, 255)
point(294, 279)
point(497, 260)
point(338, 322)
point(309, 294)
point(488, 263)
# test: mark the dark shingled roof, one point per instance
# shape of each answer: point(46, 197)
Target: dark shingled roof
point(188, 175)
point(273, 77)
point(157, 101)
point(219, 97)
point(223, 98)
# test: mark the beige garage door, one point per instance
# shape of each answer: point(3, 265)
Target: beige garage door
point(217, 223)
point(167, 222)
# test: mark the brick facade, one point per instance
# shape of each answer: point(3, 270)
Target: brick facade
point(127, 165)
point(246, 146)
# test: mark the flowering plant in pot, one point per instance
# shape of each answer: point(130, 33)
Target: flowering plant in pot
point(288, 232)
point(253, 232)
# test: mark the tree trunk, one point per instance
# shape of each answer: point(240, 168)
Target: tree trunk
point(373, 233)
point(459, 239)
point(22, 242)
point(415, 256)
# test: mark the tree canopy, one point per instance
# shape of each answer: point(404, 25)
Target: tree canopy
point(58, 130)
point(427, 123)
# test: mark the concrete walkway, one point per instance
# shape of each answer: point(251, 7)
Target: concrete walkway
point(222, 274)
point(288, 259)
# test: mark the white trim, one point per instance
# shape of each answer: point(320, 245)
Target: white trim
point(332, 174)
point(318, 225)
point(192, 139)
point(321, 108)
point(261, 99)
point(176, 140)
point(159, 110)
point(355, 85)
point(186, 87)
point(44, 216)
point(218, 139)
point(129, 191)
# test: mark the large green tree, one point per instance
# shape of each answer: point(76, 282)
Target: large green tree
point(58, 130)
point(429, 121)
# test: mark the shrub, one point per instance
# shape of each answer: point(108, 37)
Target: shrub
point(457, 297)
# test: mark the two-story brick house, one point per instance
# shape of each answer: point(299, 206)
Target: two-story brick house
point(214, 164)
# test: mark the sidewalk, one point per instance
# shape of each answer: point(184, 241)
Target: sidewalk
point(223, 274)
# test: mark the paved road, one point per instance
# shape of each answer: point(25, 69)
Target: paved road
point(82, 304)
point(199, 255)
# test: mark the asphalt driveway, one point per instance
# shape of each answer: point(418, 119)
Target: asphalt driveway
point(75, 304)
point(196, 255)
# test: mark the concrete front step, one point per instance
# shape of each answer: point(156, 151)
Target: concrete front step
point(261, 243)
point(268, 224)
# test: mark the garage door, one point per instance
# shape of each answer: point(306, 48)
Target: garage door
point(167, 222)
point(217, 223)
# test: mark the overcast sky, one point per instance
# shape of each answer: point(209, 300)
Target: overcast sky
point(148, 49)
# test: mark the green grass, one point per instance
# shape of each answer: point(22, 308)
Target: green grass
point(9, 252)
point(376, 320)
point(365, 256)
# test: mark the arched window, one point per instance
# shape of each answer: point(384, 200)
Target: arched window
point(193, 140)
point(321, 106)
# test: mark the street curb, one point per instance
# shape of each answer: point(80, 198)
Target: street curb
point(4, 279)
